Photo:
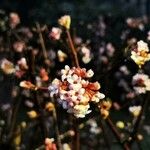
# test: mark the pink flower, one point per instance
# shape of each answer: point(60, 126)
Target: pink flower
point(55, 33)
point(19, 46)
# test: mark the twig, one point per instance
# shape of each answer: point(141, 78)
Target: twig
point(117, 134)
point(56, 127)
point(76, 142)
point(38, 103)
point(139, 120)
point(105, 135)
point(74, 52)
point(42, 41)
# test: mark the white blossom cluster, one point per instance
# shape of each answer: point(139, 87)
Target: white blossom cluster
point(141, 54)
point(141, 83)
point(74, 91)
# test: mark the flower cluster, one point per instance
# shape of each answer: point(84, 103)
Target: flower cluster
point(141, 83)
point(75, 92)
point(140, 54)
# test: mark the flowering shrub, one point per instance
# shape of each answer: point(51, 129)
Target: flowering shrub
point(64, 90)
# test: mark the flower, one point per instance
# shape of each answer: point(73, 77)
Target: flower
point(7, 67)
point(32, 114)
point(135, 110)
point(14, 20)
point(65, 21)
point(141, 54)
point(27, 85)
point(49, 106)
point(19, 46)
point(44, 74)
point(104, 113)
point(86, 55)
point(141, 83)
point(61, 56)
point(104, 108)
point(120, 124)
point(49, 145)
point(55, 33)
point(66, 146)
point(74, 91)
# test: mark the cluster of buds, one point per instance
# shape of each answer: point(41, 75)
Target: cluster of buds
point(104, 108)
point(141, 83)
point(74, 91)
point(140, 54)
point(65, 21)
point(86, 55)
point(61, 56)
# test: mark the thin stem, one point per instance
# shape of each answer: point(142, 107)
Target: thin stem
point(117, 134)
point(14, 118)
point(76, 142)
point(139, 120)
point(42, 41)
point(105, 134)
point(74, 52)
point(36, 96)
point(56, 127)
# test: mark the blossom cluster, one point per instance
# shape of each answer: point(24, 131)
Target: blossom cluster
point(141, 83)
point(74, 91)
point(140, 54)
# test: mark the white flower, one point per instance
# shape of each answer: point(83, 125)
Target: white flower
point(142, 46)
point(90, 73)
point(61, 56)
point(7, 66)
point(141, 83)
point(135, 110)
point(141, 54)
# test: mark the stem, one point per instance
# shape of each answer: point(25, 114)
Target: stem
point(36, 96)
point(105, 135)
point(74, 52)
point(139, 120)
point(76, 142)
point(41, 40)
point(56, 127)
point(117, 134)
point(14, 118)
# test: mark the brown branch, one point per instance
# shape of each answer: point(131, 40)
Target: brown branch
point(139, 120)
point(74, 52)
point(117, 134)
point(56, 127)
point(41, 41)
